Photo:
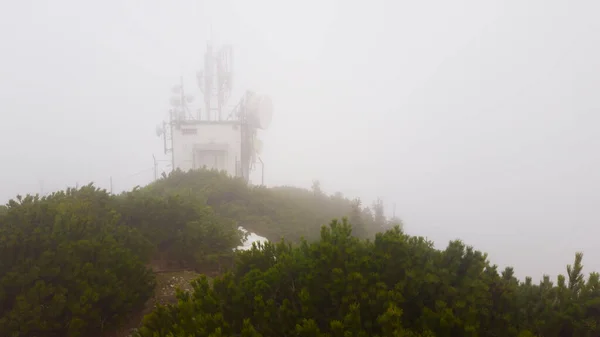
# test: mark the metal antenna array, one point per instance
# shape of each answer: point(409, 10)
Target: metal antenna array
point(211, 139)
point(180, 101)
point(166, 131)
point(216, 80)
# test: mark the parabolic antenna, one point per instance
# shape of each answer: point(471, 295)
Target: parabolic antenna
point(260, 111)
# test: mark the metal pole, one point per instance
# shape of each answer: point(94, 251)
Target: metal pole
point(172, 150)
point(165, 136)
point(111, 186)
point(155, 167)
point(183, 103)
point(243, 156)
point(262, 181)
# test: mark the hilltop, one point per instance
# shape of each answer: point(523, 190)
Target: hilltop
point(276, 212)
point(80, 261)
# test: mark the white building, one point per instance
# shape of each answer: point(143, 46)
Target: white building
point(214, 145)
point(208, 140)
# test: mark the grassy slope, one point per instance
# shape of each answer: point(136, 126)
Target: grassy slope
point(273, 213)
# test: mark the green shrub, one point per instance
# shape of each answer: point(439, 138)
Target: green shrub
point(182, 229)
point(396, 285)
point(279, 212)
point(66, 268)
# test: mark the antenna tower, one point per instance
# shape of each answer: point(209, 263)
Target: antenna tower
point(211, 139)
point(216, 80)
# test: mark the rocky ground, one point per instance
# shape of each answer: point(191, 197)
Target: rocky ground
point(167, 283)
point(165, 293)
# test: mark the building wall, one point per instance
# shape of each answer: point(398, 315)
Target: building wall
point(192, 135)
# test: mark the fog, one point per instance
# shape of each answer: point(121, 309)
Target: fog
point(478, 119)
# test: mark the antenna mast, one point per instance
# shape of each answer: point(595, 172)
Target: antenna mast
point(216, 80)
point(211, 139)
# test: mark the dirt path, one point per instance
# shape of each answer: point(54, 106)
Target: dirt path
point(164, 293)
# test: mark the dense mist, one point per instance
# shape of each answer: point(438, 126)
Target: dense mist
point(475, 118)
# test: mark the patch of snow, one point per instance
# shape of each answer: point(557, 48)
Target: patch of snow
point(252, 237)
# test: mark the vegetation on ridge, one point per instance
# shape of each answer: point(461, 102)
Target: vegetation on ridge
point(68, 266)
point(78, 262)
point(277, 212)
point(396, 285)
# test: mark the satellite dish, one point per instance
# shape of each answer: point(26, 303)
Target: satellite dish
point(189, 98)
point(176, 89)
point(260, 111)
point(159, 130)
